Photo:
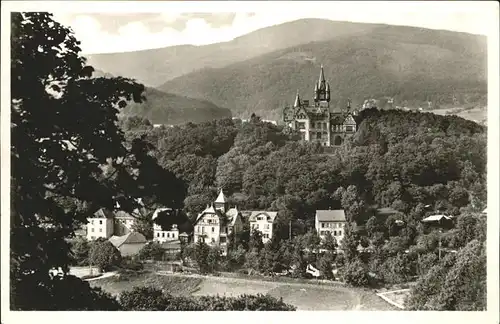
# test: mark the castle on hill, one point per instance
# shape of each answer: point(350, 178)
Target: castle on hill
point(317, 121)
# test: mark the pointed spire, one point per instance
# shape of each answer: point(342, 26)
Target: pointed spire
point(297, 100)
point(321, 81)
point(221, 198)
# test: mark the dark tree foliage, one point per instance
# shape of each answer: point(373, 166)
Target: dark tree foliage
point(151, 251)
point(104, 254)
point(68, 168)
point(456, 283)
point(152, 299)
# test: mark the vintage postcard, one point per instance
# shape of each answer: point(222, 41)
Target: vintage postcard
point(321, 160)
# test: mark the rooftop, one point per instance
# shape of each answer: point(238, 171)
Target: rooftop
point(337, 215)
point(270, 215)
point(130, 238)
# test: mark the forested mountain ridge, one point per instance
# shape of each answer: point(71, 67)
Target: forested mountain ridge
point(414, 67)
point(154, 67)
point(171, 109)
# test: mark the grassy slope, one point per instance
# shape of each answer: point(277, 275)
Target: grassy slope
point(177, 286)
point(410, 64)
point(156, 66)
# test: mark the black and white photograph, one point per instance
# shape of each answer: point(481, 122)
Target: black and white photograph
point(250, 156)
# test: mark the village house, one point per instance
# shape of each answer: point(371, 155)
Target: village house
point(332, 221)
point(263, 221)
point(159, 234)
point(100, 225)
point(129, 244)
point(216, 222)
point(123, 223)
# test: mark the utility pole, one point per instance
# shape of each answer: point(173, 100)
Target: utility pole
point(439, 257)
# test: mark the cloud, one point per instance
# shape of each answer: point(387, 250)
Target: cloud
point(118, 32)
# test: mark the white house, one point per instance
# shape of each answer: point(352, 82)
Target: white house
point(160, 235)
point(332, 221)
point(100, 225)
point(263, 222)
point(216, 222)
point(123, 223)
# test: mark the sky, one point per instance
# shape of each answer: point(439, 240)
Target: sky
point(104, 27)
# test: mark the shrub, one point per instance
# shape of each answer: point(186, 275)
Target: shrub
point(104, 255)
point(131, 264)
point(151, 251)
point(152, 299)
point(356, 273)
point(80, 252)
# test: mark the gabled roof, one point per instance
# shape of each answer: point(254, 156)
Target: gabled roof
point(159, 210)
point(123, 215)
point(435, 218)
point(337, 215)
point(130, 238)
point(103, 213)
point(270, 215)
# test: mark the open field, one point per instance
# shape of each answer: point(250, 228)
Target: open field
point(302, 295)
point(477, 114)
point(126, 281)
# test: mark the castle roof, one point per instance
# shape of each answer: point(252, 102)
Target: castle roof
point(297, 100)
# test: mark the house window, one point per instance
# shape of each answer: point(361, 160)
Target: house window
point(302, 125)
point(335, 233)
point(100, 222)
point(92, 222)
point(349, 129)
point(267, 226)
point(203, 230)
point(100, 230)
point(213, 240)
point(163, 234)
point(322, 225)
point(92, 230)
point(168, 235)
point(340, 233)
point(157, 234)
point(222, 239)
point(266, 236)
point(92, 237)
point(173, 235)
point(213, 229)
point(318, 135)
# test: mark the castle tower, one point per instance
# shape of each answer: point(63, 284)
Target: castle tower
point(322, 88)
point(297, 100)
